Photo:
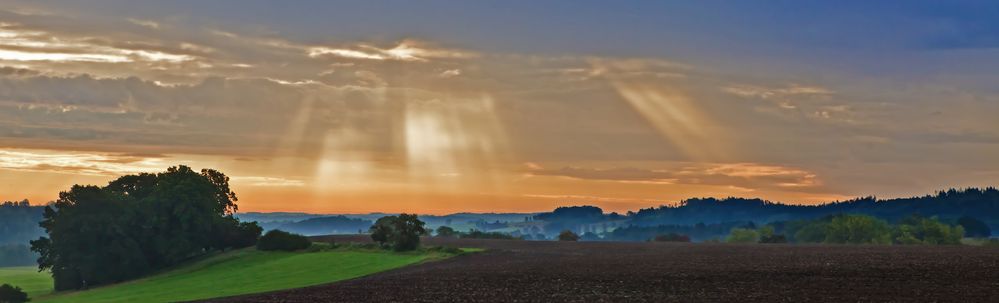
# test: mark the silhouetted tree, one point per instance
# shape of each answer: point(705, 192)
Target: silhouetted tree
point(137, 224)
point(445, 231)
point(400, 232)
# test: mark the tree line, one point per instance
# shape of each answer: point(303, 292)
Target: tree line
point(854, 229)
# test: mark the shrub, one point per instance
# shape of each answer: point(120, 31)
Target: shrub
point(401, 232)
point(12, 294)
point(567, 235)
point(282, 240)
point(743, 235)
point(671, 237)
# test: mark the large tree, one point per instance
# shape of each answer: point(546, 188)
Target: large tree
point(136, 224)
point(400, 232)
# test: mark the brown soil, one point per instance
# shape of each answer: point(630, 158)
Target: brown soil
point(526, 271)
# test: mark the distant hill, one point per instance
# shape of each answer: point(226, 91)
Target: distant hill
point(951, 204)
point(327, 226)
point(704, 213)
point(18, 225)
point(19, 222)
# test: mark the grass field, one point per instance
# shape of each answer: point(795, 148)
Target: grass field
point(28, 279)
point(240, 272)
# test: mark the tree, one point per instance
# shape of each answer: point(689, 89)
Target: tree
point(767, 235)
point(12, 294)
point(567, 235)
point(137, 224)
point(974, 228)
point(857, 229)
point(234, 234)
point(282, 240)
point(743, 235)
point(445, 231)
point(921, 230)
point(401, 233)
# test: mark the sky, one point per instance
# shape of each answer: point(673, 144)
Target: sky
point(494, 106)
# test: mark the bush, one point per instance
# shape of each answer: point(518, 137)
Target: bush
point(743, 235)
point(401, 232)
point(282, 240)
point(567, 235)
point(671, 237)
point(12, 294)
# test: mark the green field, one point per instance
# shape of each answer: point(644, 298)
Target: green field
point(28, 279)
point(234, 273)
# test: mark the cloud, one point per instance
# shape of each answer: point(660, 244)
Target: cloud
point(20, 44)
point(99, 164)
point(144, 23)
point(743, 175)
point(786, 97)
point(406, 50)
point(267, 181)
point(450, 73)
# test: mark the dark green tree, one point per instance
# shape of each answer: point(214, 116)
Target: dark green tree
point(743, 235)
point(400, 232)
point(12, 294)
point(974, 228)
point(858, 229)
point(445, 231)
point(137, 224)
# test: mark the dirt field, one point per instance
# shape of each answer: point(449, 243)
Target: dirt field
point(524, 271)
